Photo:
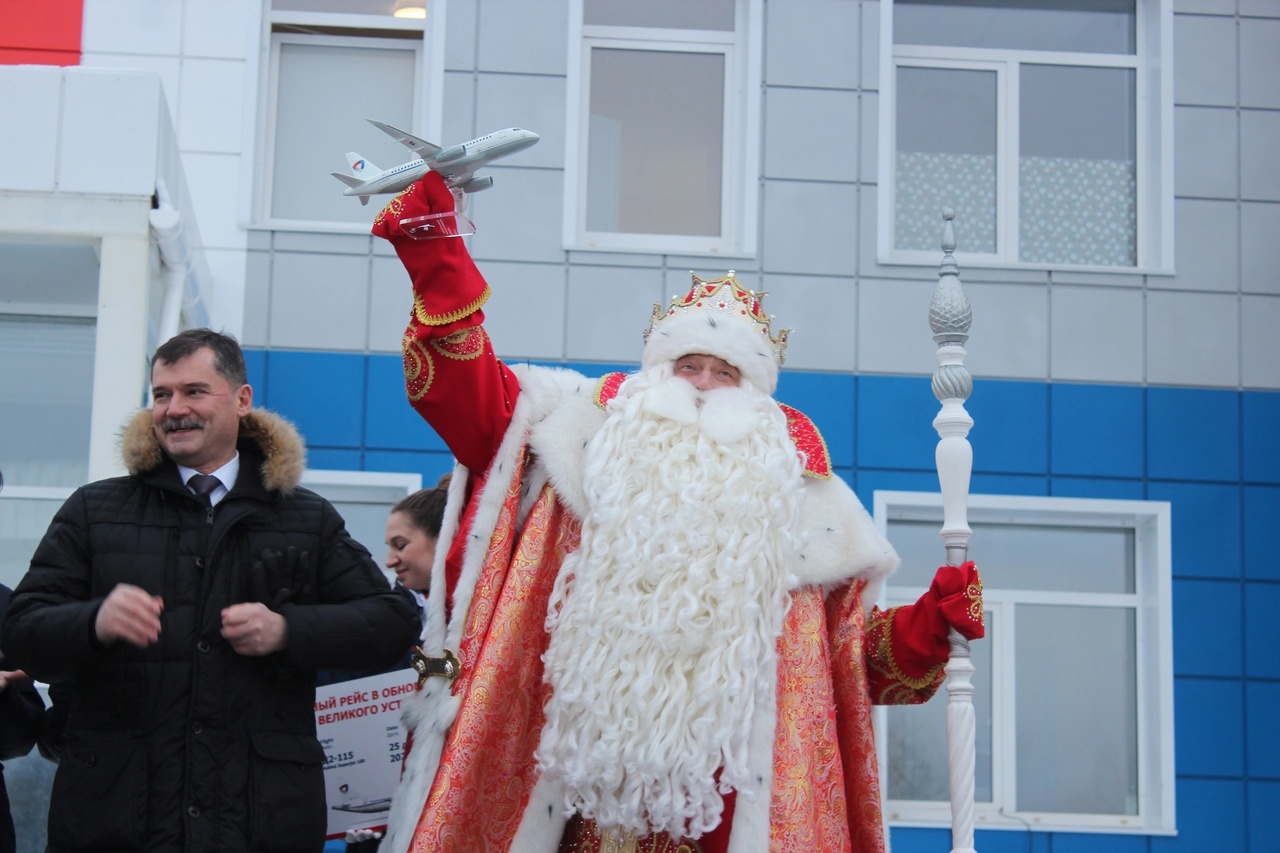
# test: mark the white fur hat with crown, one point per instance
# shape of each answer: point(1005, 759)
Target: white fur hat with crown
point(720, 318)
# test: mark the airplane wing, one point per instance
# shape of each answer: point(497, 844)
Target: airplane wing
point(424, 149)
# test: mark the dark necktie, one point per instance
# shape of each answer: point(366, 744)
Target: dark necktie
point(203, 485)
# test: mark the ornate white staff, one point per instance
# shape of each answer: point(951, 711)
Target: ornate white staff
point(950, 317)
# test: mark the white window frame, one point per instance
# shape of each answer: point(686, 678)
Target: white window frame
point(1152, 604)
point(1154, 139)
point(257, 182)
point(739, 185)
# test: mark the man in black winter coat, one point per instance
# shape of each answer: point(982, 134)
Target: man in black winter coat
point(185, 621)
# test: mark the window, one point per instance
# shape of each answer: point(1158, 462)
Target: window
point(1073, 692)
point(331, 65)
point(1045, 124)
point(670, 165)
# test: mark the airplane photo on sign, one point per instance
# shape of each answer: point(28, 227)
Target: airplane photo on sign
point(457, 164)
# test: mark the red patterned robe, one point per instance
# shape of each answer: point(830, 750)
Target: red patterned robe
point(471, 782)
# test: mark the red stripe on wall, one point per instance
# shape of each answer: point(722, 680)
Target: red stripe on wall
point(43, 33)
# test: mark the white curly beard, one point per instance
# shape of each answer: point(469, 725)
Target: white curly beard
point(663, 619)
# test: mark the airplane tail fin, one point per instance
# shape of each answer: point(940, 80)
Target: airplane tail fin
point(360, 166)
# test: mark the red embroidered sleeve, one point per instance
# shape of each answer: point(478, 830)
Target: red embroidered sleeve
point(452, 377)
point(907, 646)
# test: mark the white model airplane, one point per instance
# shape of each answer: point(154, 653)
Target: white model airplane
point(457, 165)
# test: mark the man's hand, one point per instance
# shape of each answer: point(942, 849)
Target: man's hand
point(131, 614)
point(7, 678)
point(253, 629)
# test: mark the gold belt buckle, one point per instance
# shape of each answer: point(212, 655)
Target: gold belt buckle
point(446, 666)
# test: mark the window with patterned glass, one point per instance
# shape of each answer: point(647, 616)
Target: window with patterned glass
point(1073, 681)
point(1039, 122)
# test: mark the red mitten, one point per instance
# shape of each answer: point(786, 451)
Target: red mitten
point(911, 640)
point(447, 286)
point(958, 591)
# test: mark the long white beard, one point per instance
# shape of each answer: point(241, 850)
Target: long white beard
point(663, 619)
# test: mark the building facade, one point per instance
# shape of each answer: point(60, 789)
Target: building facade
point(1114, 175)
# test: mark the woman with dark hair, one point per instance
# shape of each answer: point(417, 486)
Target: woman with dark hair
point(412, 530)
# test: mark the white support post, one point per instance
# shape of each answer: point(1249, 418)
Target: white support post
point(950, 317)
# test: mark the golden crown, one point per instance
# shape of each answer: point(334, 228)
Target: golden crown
point(723, 296)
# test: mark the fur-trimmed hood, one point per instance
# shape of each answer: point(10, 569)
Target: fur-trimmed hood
point(283, 450)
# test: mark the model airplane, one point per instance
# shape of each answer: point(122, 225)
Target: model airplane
point(369, 807)
point(457, 165)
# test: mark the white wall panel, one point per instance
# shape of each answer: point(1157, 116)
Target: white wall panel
point(218, 29)
point(459, 107)
point(807, 43)
point(525, 316)
point(1260, 247)
point(133, 26)
point(319, 301)
point(1096, 334)
point(893, 326)
point(257, 299)
point(532, 102)
point(609, 309)
point(516, 35)
point(109, 137)
point(823, 314)
point(519, 219)
point(168, 68)
point(1192, 339)
point(1260, 154)
point(1205, 160)
point(810, 228)
point(1207, 243)
point(811, 134)
point(1008, 337)
point(460, 36)
point(30, 98)
point(1259, 342)
point(212, 180)
point(1260, 62)
point(211, 116)
point(1199, 74)
point(390, 304)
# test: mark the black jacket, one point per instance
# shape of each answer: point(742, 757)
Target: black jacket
point(186, 745)
point(21, 716)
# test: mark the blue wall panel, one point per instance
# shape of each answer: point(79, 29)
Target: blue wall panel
point(1261, 514)
point(392, 423)
point(323, 393)
point(1011, 427)
point(1261, 428)
point(1210, 817)
point(1206, 705)
point(432, 465)
point(1097, 431)
point(1206, 527)
point(1193, 434)
point(828, 400)
point(1262, 631)
point(1264, 805)
point(1262, 698)
point(1207, 634)
point(894, 423)
point(1088, 487)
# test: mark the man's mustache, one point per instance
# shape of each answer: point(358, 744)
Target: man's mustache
point(181, 423)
